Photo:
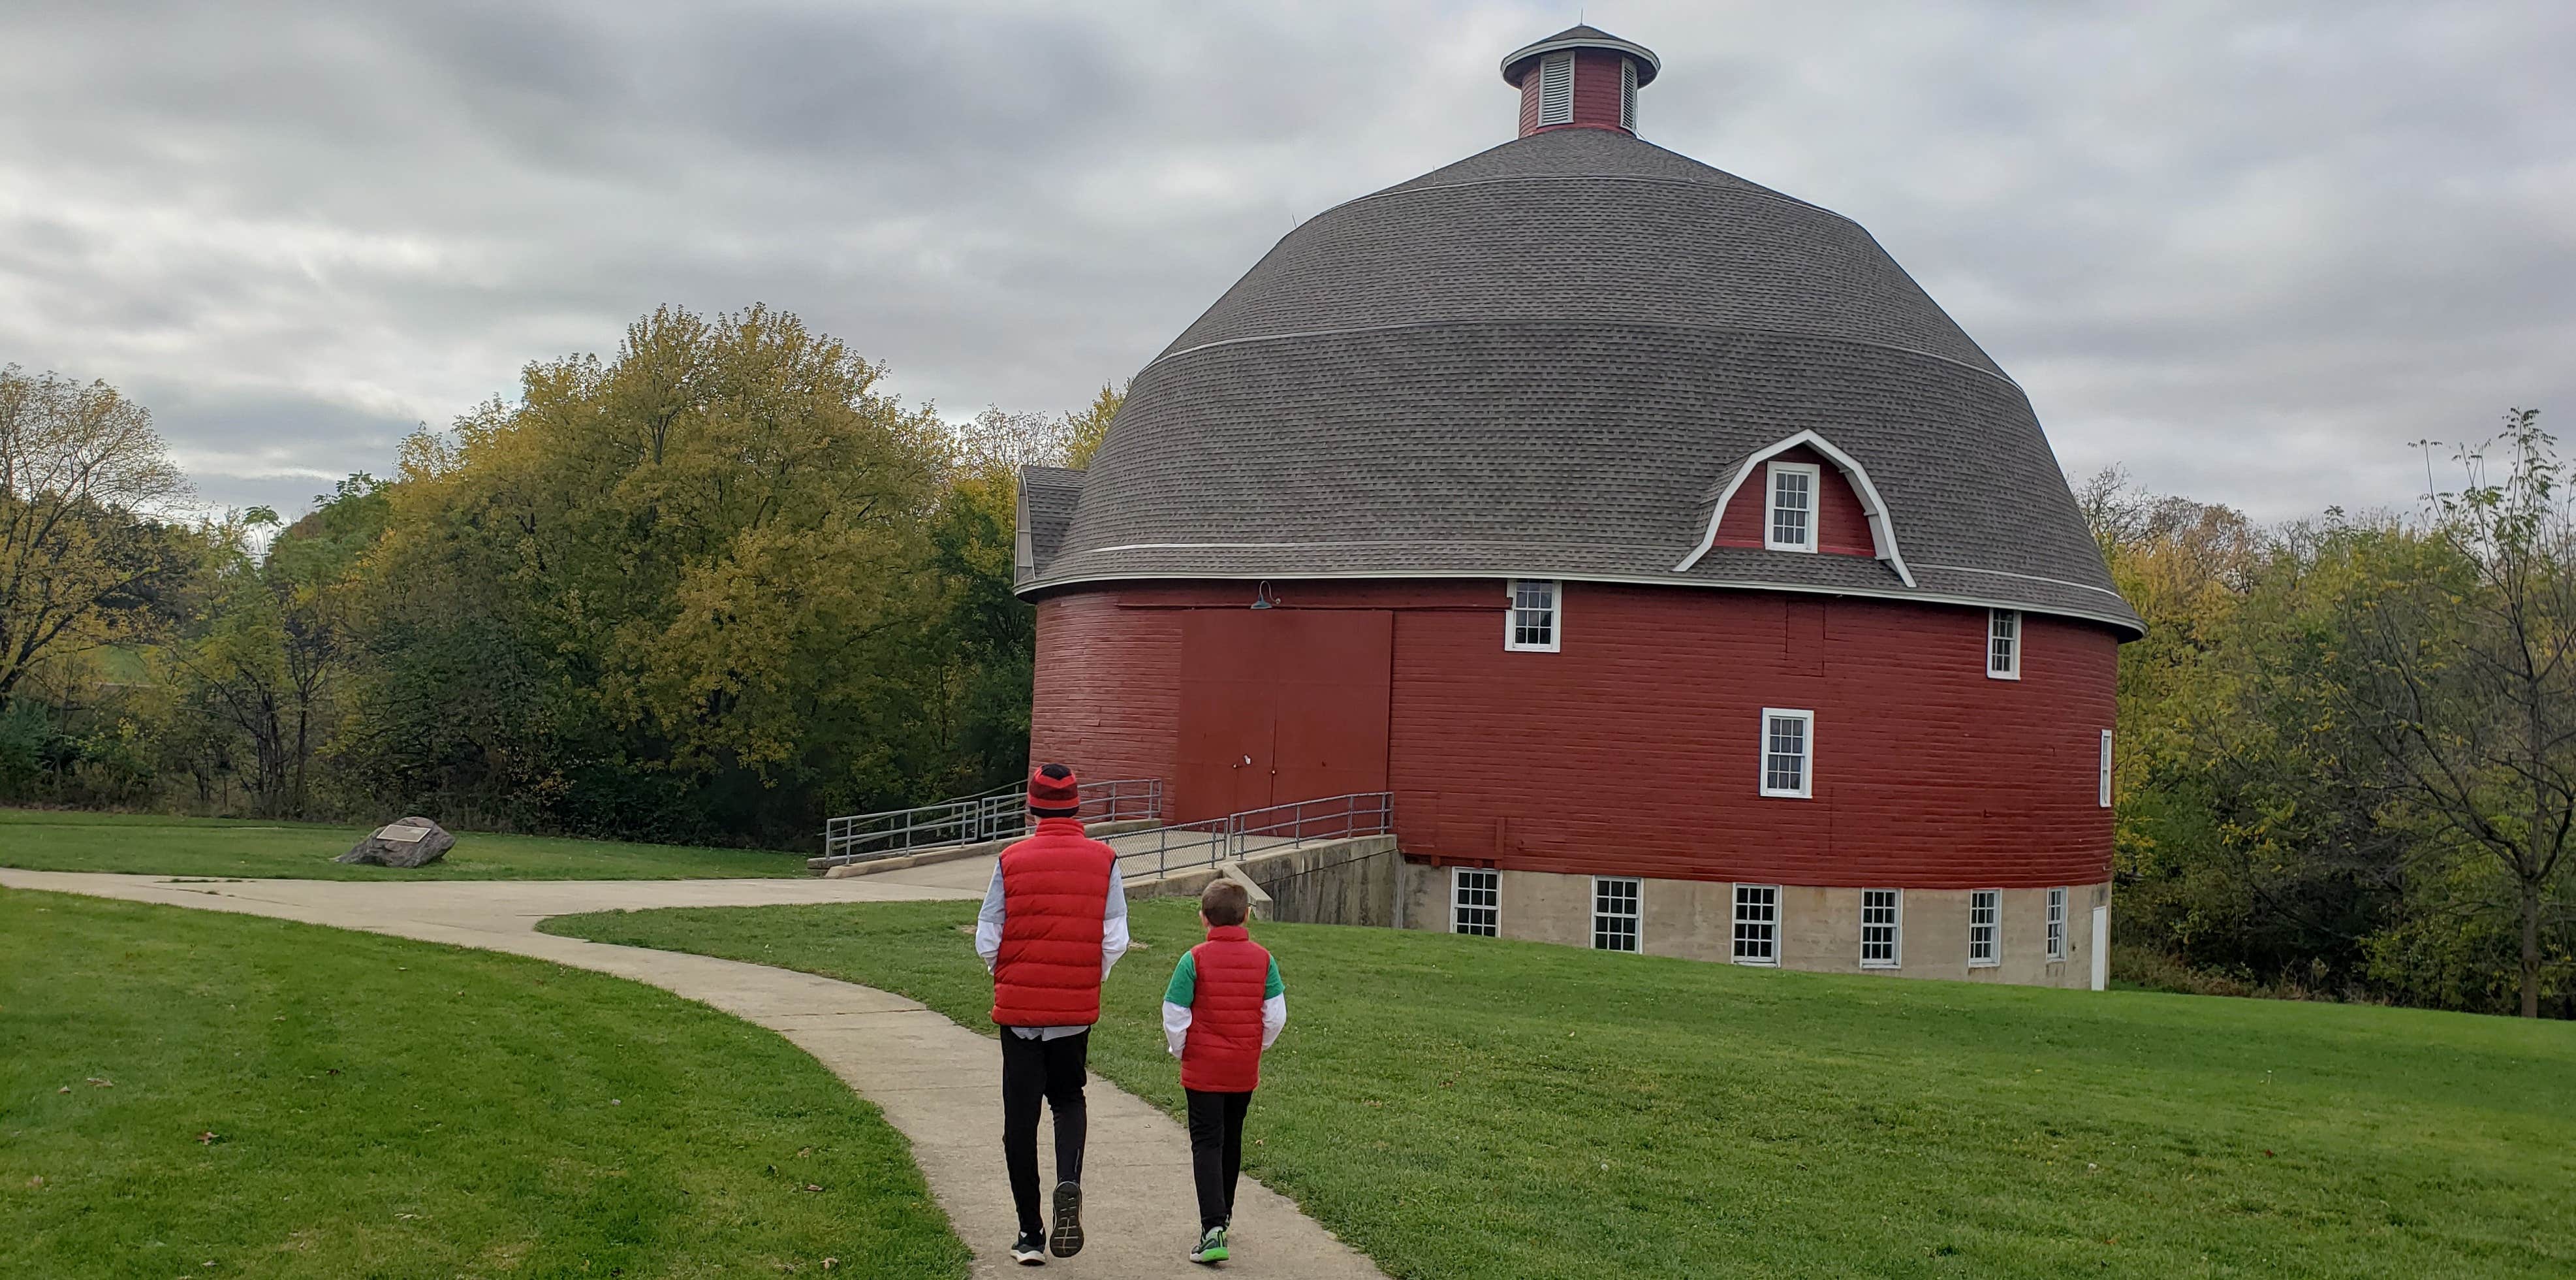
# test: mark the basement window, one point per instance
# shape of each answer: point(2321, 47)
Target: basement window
point(1556, 89)
point(1788, 749)
point(1985, 946)
point(2003, 644)
point(1789, 522)
point(1530, 624)
point(1757, 924)
point(1882, 924)
point(1475, 901)
point(2057, 924)
point(1614, 913)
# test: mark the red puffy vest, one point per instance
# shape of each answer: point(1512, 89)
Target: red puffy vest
point(1055, 886)
point(1223, 1051)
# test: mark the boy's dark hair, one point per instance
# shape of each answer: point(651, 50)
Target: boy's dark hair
point(1224, 902)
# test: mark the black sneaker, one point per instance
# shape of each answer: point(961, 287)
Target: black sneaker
point(1066, 1240)
point(1029, 1250)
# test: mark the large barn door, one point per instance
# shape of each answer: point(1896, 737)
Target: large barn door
point(1280, 705)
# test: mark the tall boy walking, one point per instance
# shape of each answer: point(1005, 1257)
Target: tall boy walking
point(1054, 921)
point(1224, 1008)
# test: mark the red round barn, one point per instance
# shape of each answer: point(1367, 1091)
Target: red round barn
point(1689, 578)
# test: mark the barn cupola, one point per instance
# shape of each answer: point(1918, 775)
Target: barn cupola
point(1580, 78)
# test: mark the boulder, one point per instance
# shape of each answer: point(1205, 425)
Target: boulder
point(412, 842)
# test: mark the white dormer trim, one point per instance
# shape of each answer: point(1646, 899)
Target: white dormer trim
point(1882, 530)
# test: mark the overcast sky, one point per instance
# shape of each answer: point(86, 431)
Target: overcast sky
point(2249, 250)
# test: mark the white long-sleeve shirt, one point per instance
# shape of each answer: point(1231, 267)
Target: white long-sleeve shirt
point(1113, 940)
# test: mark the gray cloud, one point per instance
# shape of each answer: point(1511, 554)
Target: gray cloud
point(2250, 253)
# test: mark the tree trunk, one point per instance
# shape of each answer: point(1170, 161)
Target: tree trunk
point(2530, 949)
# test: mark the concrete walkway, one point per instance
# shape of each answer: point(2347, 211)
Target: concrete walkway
point(937, 1082)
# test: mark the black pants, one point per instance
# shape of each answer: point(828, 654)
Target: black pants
point(1034, 1069)
point(1216, 1151)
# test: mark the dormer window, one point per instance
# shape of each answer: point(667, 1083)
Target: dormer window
point(1790, 521)
point(1556, 89)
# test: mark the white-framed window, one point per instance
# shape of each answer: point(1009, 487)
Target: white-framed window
point(1556, 89)
point(1531, 624)
point(2057, 924)
point(2104, 782)
point(1475, 901)
point(1614, 913)
point(1628, 94)
point(1788, 752)
point(2003, 644)
point(1789, 517)
point(1985, 937)
point(1882, 928)
point(1757, 924)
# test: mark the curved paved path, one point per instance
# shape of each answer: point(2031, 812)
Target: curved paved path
point(939, 1083)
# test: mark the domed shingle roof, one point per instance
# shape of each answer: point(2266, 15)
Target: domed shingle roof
point(1548, 359)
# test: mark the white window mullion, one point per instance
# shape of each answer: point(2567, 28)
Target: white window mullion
point(1757, 924)
point(1533, 621)
point(1788, 753)
point(2103, 785)
point(1985, 941)
point(2057, 924)
point(1615, 913)
point(1475, 901)
point(1789, 513)
point(1882, 928)
point(2003, 644)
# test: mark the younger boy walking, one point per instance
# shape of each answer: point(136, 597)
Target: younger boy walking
point(1224, 1007)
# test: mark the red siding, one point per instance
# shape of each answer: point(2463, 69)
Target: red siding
point(1108, 696)
point(1842, 525)
point(1596, 94)
point(1634, 750)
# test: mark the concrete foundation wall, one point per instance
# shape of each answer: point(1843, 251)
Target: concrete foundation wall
point(1335, 882)
point(1818, 930)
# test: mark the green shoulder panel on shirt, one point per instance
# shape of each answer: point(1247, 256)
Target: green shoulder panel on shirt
point(1274, 987)
point(1185, 981)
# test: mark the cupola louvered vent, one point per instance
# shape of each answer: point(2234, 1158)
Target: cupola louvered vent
point(1556, 90)
point(1627, 95)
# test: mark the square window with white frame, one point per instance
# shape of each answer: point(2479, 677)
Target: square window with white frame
point(1985, 934)
point(1530, 625)
point(1789, 517)
point(1614, 913)
point(1757, 924)
point(1475, 901)
point(2003, 644)
point(1788, 752)
point(1882, 928)
point(2057, 924)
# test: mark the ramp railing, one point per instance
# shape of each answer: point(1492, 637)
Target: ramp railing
point(999, 814)
point(1183, 846)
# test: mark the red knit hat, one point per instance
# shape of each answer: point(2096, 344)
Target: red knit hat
point(1054, 792)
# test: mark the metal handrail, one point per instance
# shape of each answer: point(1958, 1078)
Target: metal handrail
point(1214, 840)
point(999, 814)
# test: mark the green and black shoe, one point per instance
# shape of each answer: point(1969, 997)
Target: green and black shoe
point(1211, 1246)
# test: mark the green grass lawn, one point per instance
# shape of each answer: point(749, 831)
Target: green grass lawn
point(200, 1094)
point(145, 844)
point(1473, 1107)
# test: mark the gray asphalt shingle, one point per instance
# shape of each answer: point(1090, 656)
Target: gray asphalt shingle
point(1541, 360)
